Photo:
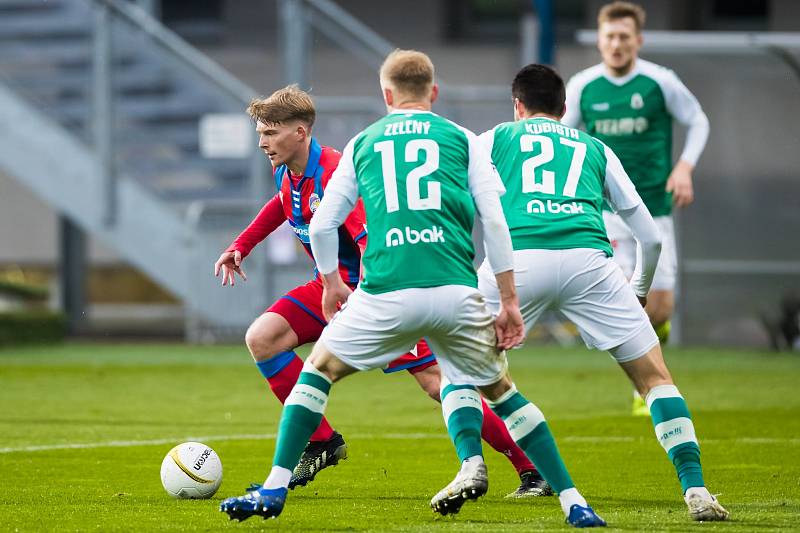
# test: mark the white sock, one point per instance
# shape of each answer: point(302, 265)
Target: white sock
point(475, 459)
point(702, 491)
point(278, 478)
point(570, 497)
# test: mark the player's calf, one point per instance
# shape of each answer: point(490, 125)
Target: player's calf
point(675, 432)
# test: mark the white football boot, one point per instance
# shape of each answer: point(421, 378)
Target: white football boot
point(471, 482)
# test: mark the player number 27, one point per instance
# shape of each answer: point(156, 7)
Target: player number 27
point(548, 183)
point(428, 167)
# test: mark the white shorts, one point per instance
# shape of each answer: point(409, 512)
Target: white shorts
point(374, 329)
point(588, 288)
point(625, 249)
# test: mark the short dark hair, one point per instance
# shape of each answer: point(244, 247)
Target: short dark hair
point(540, 89)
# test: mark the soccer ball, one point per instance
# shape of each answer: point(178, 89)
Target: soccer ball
point(191, 470)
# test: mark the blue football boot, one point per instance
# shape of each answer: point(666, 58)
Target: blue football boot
point(584, 517)
point(266, 503)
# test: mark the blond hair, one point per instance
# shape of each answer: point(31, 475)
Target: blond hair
point(409, 72)
point(621, 10)
point(282, 106)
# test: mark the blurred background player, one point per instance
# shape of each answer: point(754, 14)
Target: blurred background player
point(302, 170)
point(629, 104)
point(422, 179)
point(556, 180)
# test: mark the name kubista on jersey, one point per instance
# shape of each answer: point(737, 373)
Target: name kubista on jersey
point(554, 179)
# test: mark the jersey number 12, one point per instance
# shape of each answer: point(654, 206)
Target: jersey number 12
point(428, 166)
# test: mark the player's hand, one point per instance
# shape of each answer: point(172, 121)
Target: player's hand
point(229, 263)
point(680, 185)
point(509, 327)
point(334, 294)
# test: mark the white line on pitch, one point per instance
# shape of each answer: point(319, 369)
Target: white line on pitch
point(257, 436)
point(354, 436)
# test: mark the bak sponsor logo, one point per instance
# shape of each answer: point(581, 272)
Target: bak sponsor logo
point(621, 126)
point(397, 237)
point(538, 207)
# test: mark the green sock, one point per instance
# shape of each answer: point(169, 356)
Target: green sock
point(675, 433)
point(463, 414)
point(302, 413)
point(526, 424)
point(662, 331)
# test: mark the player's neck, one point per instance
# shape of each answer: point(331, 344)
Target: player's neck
point(621, 72)
point(297, 165)
point(541, 115)
point(419, 106)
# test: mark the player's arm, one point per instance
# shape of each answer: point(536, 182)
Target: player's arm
point(486, 186)
point(338, 202)
point(265, 222)
point(683, 105)
point(623, 198)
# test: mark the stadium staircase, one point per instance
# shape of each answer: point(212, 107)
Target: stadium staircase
point(100, 107)
point(99, 113)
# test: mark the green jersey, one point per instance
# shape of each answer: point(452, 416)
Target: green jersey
point(633, 115)
point(416, 173)
point(556, 179)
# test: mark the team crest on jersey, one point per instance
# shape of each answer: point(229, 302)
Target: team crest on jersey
point(313, 202)
point(637, 102)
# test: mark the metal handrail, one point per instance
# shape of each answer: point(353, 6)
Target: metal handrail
point(378, 48)
point(203, 65)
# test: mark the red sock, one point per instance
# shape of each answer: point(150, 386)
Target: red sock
point(495, 433)
point(282, 383)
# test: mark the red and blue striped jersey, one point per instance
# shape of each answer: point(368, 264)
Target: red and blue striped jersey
point(297, 199)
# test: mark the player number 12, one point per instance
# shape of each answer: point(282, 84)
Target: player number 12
point(428, 167)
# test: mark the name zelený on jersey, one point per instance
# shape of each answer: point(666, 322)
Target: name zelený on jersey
point(538, 128)
point(407, 127)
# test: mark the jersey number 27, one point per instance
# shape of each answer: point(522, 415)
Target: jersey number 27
point(548, 183)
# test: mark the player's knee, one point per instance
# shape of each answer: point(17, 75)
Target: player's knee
point(263, 339)
point(494, 391)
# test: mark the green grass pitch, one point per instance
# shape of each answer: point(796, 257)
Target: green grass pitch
point(78, 422)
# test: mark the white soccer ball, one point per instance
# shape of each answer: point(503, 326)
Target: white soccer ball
point(191, 470)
